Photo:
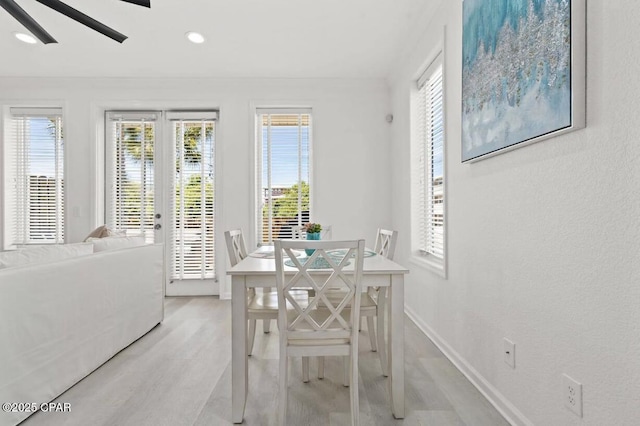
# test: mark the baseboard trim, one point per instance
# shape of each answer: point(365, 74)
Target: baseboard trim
point(502, 404)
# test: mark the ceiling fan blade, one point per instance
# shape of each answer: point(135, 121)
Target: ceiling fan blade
point(145, 3)
point(88, 21)
point(25, 19)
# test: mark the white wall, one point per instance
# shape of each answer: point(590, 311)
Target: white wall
point(543, 241)
point(350, 143)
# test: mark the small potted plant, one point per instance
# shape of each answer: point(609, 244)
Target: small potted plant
point(312, 230)
point(313, 233)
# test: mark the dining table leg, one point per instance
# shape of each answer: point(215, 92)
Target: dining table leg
point(396, 345)
point(239, 362)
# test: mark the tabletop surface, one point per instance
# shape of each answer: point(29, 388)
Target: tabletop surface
point(255, 265)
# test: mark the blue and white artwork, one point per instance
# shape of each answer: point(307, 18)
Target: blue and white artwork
point(516, 72)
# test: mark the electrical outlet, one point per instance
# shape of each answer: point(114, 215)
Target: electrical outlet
point(510, 353)
point(572, 394)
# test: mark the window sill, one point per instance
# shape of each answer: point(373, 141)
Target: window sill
point(437, 266)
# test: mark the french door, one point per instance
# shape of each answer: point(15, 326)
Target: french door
point(160, 184)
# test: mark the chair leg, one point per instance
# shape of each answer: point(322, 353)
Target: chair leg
point(346, 369)
point(305, 369)
point(266, 323)
point(282, 402)
point(251, 336)
point(372, 334)
point(355, 401)
point(320, 367)
point(382, 345)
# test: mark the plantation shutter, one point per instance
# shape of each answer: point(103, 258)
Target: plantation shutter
point(193, 195)
point(34, 177)
point(283, 175)
point(431, 195)
point(130, 172)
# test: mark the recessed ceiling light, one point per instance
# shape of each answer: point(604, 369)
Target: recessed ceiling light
point(25, 38)
point(195, 37)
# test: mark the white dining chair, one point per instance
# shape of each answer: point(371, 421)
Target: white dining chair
point(327, 232)
point(298, 233)
point(313, 329)
point(260, 306)
point(374, 305)
point(386, 243)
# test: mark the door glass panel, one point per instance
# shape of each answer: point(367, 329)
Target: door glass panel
point(193, 224)
point(131, 193)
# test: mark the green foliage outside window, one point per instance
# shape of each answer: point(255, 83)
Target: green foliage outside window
point(287, 205)
point(131, 191)
point(193, 199)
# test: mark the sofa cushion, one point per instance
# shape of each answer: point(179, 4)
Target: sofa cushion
point(115, 243)
point(43, 254)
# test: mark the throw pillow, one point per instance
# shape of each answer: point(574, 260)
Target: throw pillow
point(99, 232)
point(102, 232)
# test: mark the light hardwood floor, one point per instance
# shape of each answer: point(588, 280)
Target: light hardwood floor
point(180, 374)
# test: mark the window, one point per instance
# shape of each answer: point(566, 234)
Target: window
point(283, 177)
point(428, 167)
point(34, 177)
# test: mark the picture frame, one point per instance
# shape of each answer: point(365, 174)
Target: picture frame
point(523, 73)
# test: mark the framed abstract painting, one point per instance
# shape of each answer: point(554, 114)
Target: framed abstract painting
point(523, 73)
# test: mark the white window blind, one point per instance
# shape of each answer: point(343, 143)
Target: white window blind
point(192, 197)
point(283, 151)
point(429, 192)
point(34, 177)
point(131, 167)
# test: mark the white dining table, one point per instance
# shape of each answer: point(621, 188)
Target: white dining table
point(259, 270)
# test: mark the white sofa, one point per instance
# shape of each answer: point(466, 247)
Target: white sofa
point(62, 319)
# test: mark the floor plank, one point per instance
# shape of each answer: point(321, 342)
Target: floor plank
point(180, 374)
